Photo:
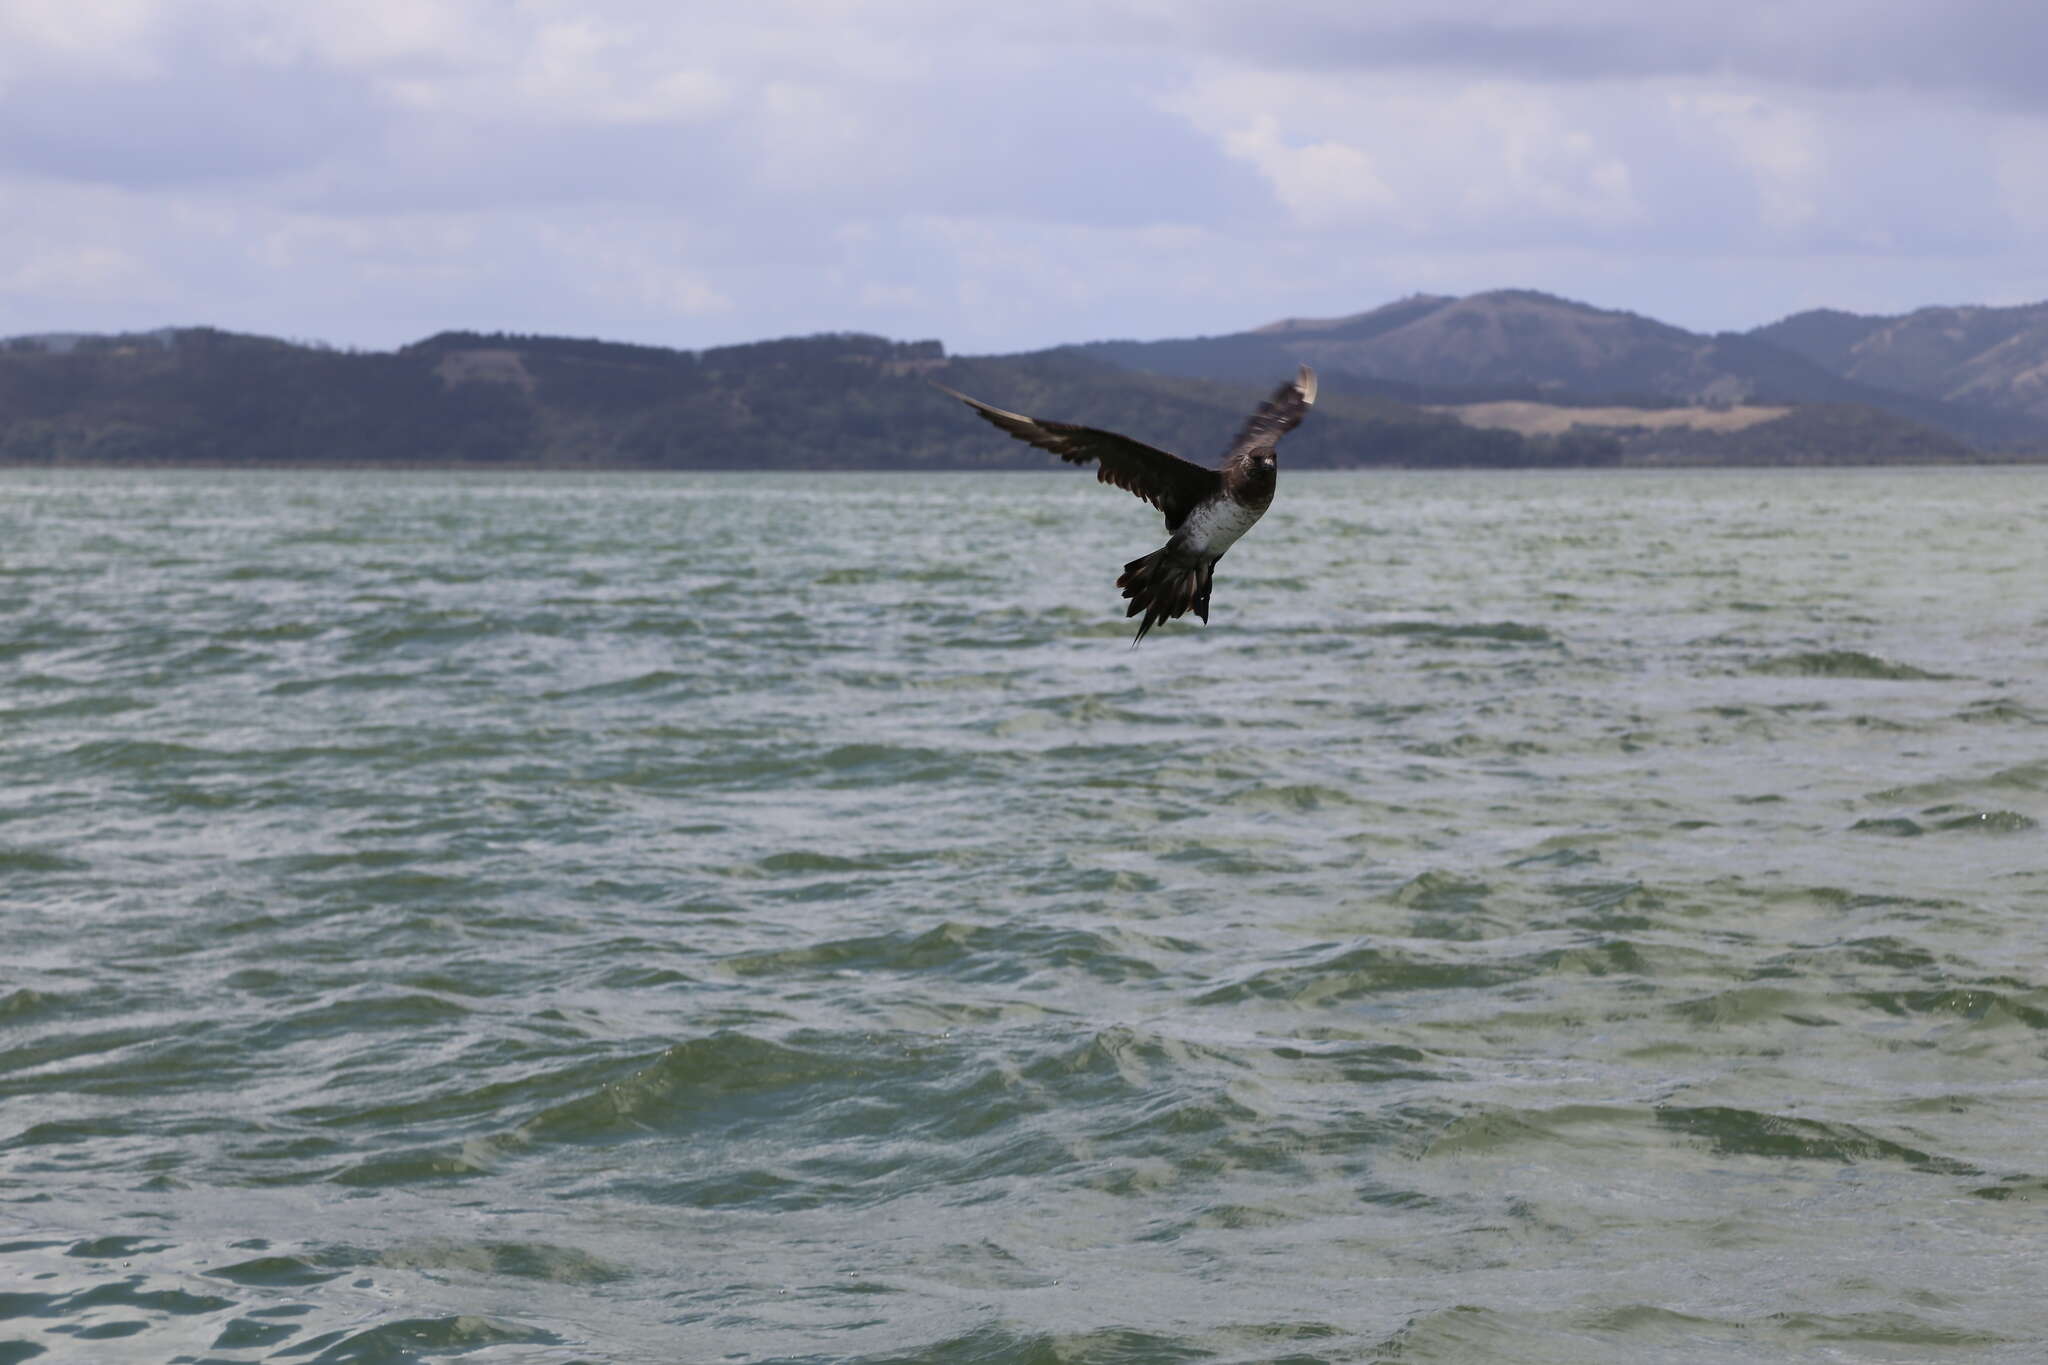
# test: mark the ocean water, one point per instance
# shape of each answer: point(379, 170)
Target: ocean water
point(538, 918)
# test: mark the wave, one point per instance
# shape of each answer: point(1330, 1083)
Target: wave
point(1844, 663)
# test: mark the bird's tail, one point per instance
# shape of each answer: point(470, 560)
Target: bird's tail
point(1163, 585)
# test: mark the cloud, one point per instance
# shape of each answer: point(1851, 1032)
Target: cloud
point(150, 131)
point(1415, 159)
point(1979, 51)
point(1004, 177)
point(93, 272)
point(104, 36)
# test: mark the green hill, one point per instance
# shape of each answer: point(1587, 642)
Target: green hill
point(1987, 358)
point(1520, 344)
point(842, 401)
point(1403, 385)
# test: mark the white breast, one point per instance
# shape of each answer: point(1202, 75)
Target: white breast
point(1215, 526)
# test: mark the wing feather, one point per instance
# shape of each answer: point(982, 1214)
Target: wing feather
point(1168, 482)
point(1279, 414)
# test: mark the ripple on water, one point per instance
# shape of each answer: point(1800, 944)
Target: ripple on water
point(1357, 972)
point(1005, 953)
point(1844, 663)
point(416, 1338)
point(548, 917)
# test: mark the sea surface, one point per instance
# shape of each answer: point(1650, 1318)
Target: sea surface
point(1557, 917)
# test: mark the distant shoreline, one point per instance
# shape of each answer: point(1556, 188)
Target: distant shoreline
point(201, 398)
point(1638, 464)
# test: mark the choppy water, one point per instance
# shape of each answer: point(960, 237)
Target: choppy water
point(1560, 917)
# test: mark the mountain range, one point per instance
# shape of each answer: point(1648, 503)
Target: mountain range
point(1978, 374)
point(1993, 358)
point(1505, 378)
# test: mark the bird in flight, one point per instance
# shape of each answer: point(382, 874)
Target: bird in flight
point(1206, 509)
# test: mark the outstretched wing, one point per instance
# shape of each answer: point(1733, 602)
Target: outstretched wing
point(1279, 414)
point(1168, 482)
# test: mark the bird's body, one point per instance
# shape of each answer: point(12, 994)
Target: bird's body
point(1206, 510)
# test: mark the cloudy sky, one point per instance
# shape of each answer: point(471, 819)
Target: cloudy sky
point(1003, 177)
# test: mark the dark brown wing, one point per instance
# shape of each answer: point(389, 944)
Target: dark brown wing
point(1279, 414)
point(1168, 482)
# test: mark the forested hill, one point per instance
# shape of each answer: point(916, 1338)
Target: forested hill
point(1988, 358)
point(1518, 343)
point(202, 396)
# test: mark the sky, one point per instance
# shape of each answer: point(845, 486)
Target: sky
point(1003, 177)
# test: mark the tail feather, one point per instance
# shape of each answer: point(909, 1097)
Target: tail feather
point(1165, 586)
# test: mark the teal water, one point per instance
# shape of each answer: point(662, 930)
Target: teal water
point(1556, 917)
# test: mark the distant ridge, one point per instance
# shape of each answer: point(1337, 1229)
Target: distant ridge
point(63, 343)
point(1506, 378)
point(835, 401)
point(1993, 358)
point(1368, 323)
point(1520, 343)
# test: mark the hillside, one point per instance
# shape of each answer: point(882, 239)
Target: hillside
point(1812, 434)
point(202, 396)
point(1994, 358)
point(1805, 434)
point(1506, 379)
point(1554, 419)
point(1518, 344)
point(1507, 340)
